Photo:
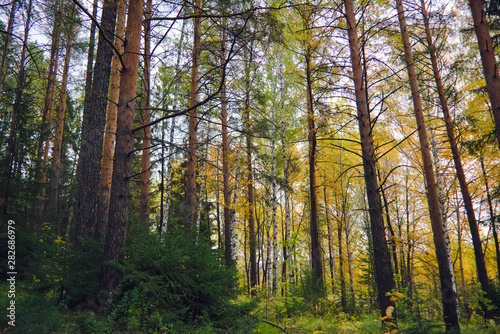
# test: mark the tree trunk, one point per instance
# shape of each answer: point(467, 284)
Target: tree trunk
point(146, 118)
point(11, 151)
point(120, 188)
point(190, 204)
point(488, 59)
point(286, 245)
point(110, 130)
point(90, 60)
point(464, 188)
point(274, 198)
point(48, 108)
point(61, 115)
point(441, 240)
point(316, 265)
point(228, 249)
point(92, 132)
point(383, 271)
point(331, 256)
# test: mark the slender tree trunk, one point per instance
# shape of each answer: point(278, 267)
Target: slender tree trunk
point(168, 186)
point(461, 262)
point(190, 204)
point(202, 187)
point(235, 199)
point(331, 257)
point(146, 118)
point(6, 44)
point(492, 216)
point(228, 249)
point(383, 270)
point(110, 130)
point(61, 115)
point(92, 132)
point(284, 149)
point(274, 198)
point(471, 217)
point(316, 265)
point(391, 231)
point(120, 188)
point(11, 150)
point(441, 240)
point(488, 59)
point(90, 60)
point(48, 108)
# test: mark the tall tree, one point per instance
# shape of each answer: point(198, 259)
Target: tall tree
point(120, 189)
point(464, 188)
point(61, 114)
point(92, 132)
point(449, 296)
point(110, 129)
point(146, 118)
point(228, 251)
point(48, 108)
point(316, 263)
point(190, 203)
point(383, 269)
point(488, 59)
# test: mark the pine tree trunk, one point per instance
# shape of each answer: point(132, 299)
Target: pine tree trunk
point(146, 118)
point(488, 59)
point(464, 188)
point(122, 166)
point(61, 115)
point(11, 150)
point(286, 245)
point(92, 132)
point(316, 265)
point(441, 240)
point(110, 130)
point(228, 249)
point(383, 270)
point(190, 204)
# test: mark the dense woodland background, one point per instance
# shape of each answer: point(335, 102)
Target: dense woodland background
point(249, 166)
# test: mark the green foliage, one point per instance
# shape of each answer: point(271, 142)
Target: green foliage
point(173, 285)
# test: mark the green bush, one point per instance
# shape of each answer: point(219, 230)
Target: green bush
point(172, 284)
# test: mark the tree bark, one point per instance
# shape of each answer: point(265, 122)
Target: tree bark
point(61, 115)
point(316, 264)
point(92, 132)
point(190, 204)
point(228, 249)
point(464, 188)
point(252, 241)
point(441, 241)
point(488, 59)
point(146, 118)
point(110, 130)
point(120, 188)
point(383, 270)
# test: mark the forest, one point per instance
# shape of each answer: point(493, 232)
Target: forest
point(249, 166)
